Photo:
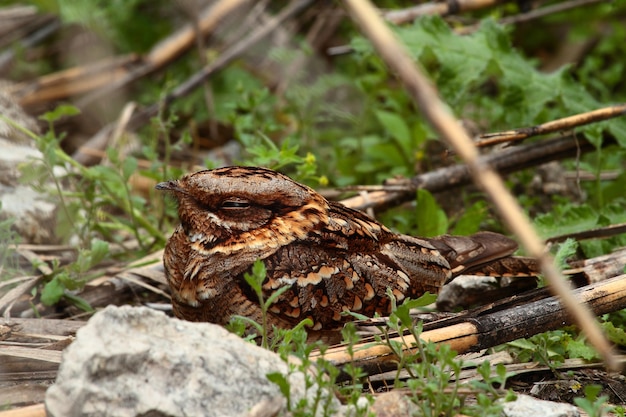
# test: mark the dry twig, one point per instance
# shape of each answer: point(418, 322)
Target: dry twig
point(536, 14)
point(110, 74)
point(600, 232)
point(37, 410)
point(504, 161)
point(487, 328)
point(436, 8)
point(558, 125)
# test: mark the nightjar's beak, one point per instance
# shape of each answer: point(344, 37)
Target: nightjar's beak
point(169, 186)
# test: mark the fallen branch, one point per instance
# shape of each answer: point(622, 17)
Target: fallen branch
point(558, 125)
point(505, 161)
point(535, 14)
point(110, 74)
point(436, 8)
point(488, 328)
point(600, 232)
point(37, 410)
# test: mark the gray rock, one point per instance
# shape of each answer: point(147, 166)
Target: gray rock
point(138, 362)
point(11, 110)
point(455, 293)
point(394, 404)
point(525, 406)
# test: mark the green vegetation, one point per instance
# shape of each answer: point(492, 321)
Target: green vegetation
point(355, 125)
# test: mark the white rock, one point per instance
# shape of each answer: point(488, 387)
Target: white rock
point(525, 406)
point(137, 362)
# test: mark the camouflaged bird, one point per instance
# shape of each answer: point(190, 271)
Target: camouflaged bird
point(333, 258)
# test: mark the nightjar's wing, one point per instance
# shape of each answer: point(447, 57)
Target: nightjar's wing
point(466, 252)
point(324, 284)
point(348, 265)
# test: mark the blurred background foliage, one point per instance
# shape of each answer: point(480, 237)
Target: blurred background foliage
point(330, 114)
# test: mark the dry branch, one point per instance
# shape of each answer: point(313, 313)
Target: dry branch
point(110, 74)
point(547, 11)
point(9, 299)
point(600, 232)
point(598, 268)
point(534, 14)
point(72, 81)
point(505, 161)
point(436, 8)
point(488, 328)
point(30, 353)
point(170, 48)
point(37, 410)
point(558, 125)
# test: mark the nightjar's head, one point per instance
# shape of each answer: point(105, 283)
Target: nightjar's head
point(214, 205)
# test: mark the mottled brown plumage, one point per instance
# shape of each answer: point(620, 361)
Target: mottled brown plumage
point(333, 258)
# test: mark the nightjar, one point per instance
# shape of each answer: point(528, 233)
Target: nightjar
point(333, 258)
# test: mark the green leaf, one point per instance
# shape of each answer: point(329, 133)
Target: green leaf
point(471, 219)
point(616, 335)
point(275, 294)
point(103, 173)
point(403, 311)
point(258, 270)
point(52, 291)
point(523, 344)
point(79, 302)
point(394, 125)
point(431, 219)
point(237, 320)
point(566, 219)
point(282, 382)
point(424, 300)
point(256, 277)
point(579, 349)
point(99, 251)
point(60, 112)
point(129, 167)
point(565, 250)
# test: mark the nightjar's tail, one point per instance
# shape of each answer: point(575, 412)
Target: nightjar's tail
point(484, 253)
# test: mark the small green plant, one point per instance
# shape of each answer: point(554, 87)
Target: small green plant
point(8, 239)
point(253, 124)
point(552, 348)
point(493, 382)
point(434, 370)
point(619, 411)
point(319, 382)
point(322, 374)
point(65, 279)
point(97, 206)
point(354, 388)
point(593, 405)
point(88, 208)
point(255, 281)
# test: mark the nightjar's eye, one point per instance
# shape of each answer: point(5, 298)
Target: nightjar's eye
point(235, 204)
